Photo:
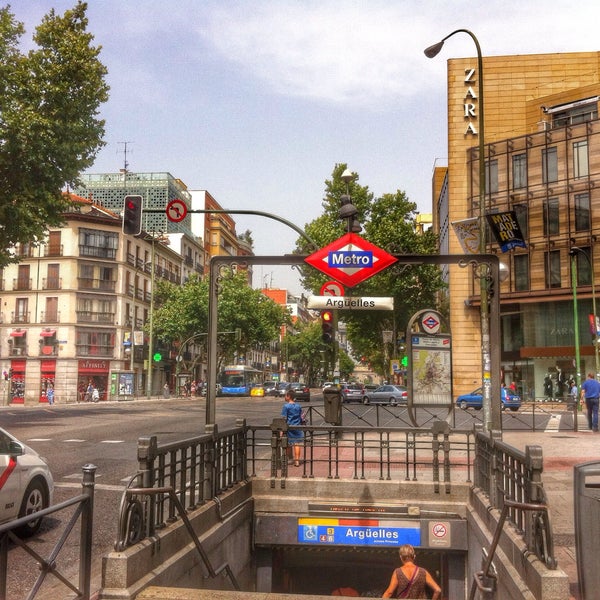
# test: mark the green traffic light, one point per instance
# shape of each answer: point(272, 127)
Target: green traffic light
point(157, 357)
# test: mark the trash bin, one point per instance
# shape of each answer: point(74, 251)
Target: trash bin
point(586, 488)
point(332, 398)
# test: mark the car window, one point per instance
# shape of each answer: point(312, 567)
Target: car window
point(4, 443)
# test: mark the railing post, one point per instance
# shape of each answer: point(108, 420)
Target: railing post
point(211, 461)
point(86, 532)
point(146, 455)
point(534, 464)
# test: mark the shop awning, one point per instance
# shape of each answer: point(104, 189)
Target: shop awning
point(48, 332)
point(18, 333)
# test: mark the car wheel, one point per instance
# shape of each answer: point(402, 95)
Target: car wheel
point(366, 400)
point(464, 405)
point(514, 408)
point(393, 402)
point(502, 407)
point(34, 500)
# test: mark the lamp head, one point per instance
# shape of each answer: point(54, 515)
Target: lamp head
point(433, 50)
point(347, 176)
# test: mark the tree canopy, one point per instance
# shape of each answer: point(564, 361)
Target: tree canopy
point(389, 222)
point(49, 126)
point(181, 312)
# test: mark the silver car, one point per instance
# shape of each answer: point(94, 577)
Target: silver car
point(387, 394)
point(26, 483)
point(352, 392)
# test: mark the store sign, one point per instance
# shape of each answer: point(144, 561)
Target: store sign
point(470, 109)
point(92, 365)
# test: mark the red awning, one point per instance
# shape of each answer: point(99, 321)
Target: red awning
point(18, 333)
point(48, 332)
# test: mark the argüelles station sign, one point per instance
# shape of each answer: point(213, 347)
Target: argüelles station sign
point(349, 303)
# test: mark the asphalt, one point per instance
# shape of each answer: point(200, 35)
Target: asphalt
point(562, 451)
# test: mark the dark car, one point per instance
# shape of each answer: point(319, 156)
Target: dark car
point(270, 388)
point(386, 394)
point(475, 400)
point(352, 392)
point(301, 391)
point(281, 388)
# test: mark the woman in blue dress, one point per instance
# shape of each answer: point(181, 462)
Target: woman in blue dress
point(292, 412)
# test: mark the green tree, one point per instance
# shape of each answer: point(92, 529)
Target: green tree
point(389, 222)
point(182, 312)
point(49, 126)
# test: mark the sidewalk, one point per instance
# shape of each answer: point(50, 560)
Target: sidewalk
point(562, 450)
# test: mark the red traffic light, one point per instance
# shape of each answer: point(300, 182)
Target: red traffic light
point(132, 215)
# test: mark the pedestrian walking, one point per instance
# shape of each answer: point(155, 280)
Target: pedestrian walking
point(590, 394)
point(166, 390)
point(409, 580)
point(50, 394)
point(95, 395)
point(292, 412)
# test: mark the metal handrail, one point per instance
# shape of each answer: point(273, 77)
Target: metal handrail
point(85, 510)
point(485, 574)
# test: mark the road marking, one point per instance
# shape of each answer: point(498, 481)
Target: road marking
point(112, 441)
point(74, 440)
point(553, 424)
point(39, 440)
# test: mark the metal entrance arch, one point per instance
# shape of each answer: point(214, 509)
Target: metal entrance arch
point(485, 265)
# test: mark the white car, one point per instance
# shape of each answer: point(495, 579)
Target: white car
point(26, 483)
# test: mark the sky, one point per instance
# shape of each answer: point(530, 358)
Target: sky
point(256, 101)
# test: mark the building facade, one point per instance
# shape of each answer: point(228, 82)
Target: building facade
point(542, 164)
point(74, 308)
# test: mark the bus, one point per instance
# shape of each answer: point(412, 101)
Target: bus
point(237, 380)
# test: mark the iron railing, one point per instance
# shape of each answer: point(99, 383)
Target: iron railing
point(202, 468)
point(49, 566)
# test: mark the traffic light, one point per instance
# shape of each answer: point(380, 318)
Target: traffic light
point(327, 326)
point(132, 215)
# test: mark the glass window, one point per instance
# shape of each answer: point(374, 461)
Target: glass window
point(491, 179)
point(551, 216)
point(582, 212)
point(102, 244)
point(580, 159)
point(584, 265)
point(519, 166)
point(521, 270)
point(522, 213)
point(549, 165)
point(552, 260)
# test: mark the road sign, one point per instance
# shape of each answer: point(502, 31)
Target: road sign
point(176, 210)
point(350, 259)
point(332, 288)
point(349, 303)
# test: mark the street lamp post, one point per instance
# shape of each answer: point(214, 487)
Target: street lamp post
point(576, 250)
point(491, 416)
point(575, 322)
point(151, 318)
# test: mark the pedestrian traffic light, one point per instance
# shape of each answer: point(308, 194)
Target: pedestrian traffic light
point(327, 326)
point(132, 215)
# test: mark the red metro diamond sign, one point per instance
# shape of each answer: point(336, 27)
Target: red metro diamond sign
point(350, 259)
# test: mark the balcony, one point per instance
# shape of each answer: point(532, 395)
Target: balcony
point(20, 317)
point(94, 351)
point(97, 251)
point(17, 351)
point(50, 316)
point(21, 284)
point(52, 283)
point(50, 250)
point(88, 316)
point(85, 283)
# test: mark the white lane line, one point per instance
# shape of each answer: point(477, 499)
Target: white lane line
point(98, 486)
point(39, 440)
point(74, 441)
point(112, 441)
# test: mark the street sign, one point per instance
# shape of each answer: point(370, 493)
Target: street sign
point(349, 303)
point(176, 210)
point(332, 288)
point(350, 259)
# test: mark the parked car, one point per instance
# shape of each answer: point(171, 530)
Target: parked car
point(301, 391)
point(352, 392)
point(26, 484)
point(270, 388)
point(475, 400)
point(386, 394)
point(281, 388)
point(328, 384)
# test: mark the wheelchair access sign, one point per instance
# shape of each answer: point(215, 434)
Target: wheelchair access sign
point(350, 259)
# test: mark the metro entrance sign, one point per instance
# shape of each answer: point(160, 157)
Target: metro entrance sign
point(350, 259)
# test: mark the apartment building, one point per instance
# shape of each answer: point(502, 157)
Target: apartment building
point(73, 310)
point(542, 164)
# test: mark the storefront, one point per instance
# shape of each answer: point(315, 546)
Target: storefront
point(17, 381)
point(48, 378)
point(94, 371)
